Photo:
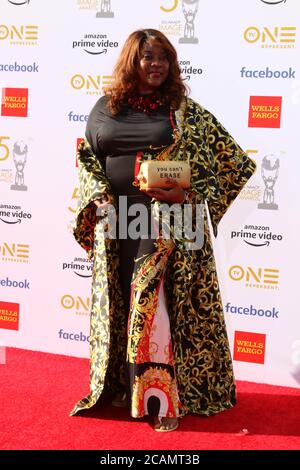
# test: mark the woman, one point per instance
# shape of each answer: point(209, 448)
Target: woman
point(158, 338)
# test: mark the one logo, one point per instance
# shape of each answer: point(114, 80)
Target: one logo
point(14, 102)
point(14, 252)
point(81, 267)
point(105, 10)
point(269, 173)
point(92, 85)
point(190, 9)
point(9, 315)
point(10, 214)
point(76, 304)
point(24, 35)
point(260, 278)
point(19, 3)
point(267, 73)
point(256, 235)
point(265, 111)
point(252, 311)
point(283, 37)
point(95, 44)
point(249, 347)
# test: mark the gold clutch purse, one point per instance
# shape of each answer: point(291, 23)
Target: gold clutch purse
point(154, 173)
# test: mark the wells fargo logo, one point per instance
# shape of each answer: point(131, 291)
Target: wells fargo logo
point(265, 111)
point(260, 278)
point(283, 37)
point(79, 140)
point(9, 315)
point(23, 35)
point(76, 303)
point(249, 347)
point(14, 102)
point(92, 85)
point(14, 252)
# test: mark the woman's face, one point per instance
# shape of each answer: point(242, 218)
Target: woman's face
point(153, 67)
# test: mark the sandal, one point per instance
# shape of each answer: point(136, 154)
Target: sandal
point(120, 400)
point(163, 424)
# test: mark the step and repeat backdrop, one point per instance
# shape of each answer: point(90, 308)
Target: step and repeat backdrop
point(241, 61)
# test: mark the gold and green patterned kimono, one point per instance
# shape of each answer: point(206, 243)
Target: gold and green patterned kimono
point(174, 288)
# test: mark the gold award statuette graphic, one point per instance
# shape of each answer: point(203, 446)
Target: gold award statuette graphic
point(105, 10)
point(20, 151)
point(189, 8)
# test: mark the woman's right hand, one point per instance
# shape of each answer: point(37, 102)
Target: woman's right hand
point(103, 202)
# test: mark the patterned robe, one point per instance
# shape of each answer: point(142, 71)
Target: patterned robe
point(200, 348)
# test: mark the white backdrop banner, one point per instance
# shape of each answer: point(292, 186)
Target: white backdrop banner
point(241, 61)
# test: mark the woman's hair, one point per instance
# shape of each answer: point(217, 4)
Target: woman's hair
point(125, 73)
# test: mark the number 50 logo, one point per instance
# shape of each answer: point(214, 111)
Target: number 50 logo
point(4, 150)
point(172, 8)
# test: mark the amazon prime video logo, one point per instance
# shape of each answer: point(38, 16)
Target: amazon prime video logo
point(19, 3)
point(256, 235)
point(81, 267)
point(13, 214)
point(273, 2)
point(95, 44)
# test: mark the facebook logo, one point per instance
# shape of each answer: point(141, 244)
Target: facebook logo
point(15, 67)
point(6, 282)
point(267, 73)
point(252, 311)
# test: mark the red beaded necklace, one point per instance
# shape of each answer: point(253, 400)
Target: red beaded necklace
point(146, 103)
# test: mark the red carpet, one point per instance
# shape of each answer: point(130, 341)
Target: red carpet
point(38, 390)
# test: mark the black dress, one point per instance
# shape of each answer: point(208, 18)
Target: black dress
point(116, 141)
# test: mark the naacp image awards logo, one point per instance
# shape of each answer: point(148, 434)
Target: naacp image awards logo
point(105, 10)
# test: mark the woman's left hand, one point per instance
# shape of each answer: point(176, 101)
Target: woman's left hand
point(175, 194)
